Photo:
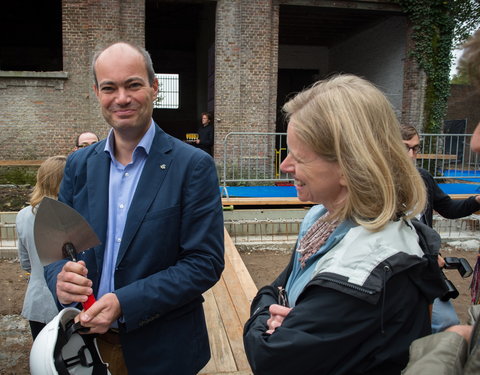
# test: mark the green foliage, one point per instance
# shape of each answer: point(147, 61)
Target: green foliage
point(18, 175)
point(438, 25)
point(460, 78)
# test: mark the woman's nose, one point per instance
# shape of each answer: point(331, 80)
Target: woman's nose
point(286, 166)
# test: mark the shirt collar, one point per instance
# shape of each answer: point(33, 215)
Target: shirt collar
point(145, 143)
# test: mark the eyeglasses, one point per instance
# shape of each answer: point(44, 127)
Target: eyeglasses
point(416, 149)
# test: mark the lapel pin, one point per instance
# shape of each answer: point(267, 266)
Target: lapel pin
point(163, 166)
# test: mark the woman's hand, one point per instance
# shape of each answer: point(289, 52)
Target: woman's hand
point(277, 314)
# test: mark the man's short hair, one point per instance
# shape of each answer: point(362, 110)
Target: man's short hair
point(408, 132)
point(146, 58)
point(77, 143)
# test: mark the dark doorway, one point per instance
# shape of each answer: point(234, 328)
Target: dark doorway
point(179, 37)
point(291, 82)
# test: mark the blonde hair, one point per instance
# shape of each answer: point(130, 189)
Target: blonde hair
point(347, 120)
point(470, 59)
point(49, 176)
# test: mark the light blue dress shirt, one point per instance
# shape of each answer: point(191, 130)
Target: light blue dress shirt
point(123, 183)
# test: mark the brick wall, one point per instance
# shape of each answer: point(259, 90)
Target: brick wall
point(245, 68)
point(463, 103)
point(41, 114)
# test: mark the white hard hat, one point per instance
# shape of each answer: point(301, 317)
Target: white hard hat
point(60, 350)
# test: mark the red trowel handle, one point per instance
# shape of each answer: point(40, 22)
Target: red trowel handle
point(72, 254)
point(90, 301)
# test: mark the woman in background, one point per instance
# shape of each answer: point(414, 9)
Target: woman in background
point(358, 287)
point(38, 306)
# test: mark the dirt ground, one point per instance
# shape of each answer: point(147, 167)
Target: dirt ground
point(13, 197)
point(264, 266)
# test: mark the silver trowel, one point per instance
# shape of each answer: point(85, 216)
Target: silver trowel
point(61, 232)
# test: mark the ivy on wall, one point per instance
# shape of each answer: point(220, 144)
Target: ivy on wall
point(437, 26)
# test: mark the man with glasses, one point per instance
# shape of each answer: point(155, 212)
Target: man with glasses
point(437, 199)
point(85, 139)
point(443, 314)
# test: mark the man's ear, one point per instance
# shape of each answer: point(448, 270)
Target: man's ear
point(155, 87)
point(95, 90)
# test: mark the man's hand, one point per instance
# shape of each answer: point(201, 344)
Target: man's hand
point(277, 315)
point(463, 330)
point(441, 261)
point(100, 316)
point(72, 283)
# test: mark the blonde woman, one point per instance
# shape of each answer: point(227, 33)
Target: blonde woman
point(38, 306)
point(358, 287)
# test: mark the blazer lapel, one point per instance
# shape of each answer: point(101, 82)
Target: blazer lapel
point(98, 175)
point(156, 168)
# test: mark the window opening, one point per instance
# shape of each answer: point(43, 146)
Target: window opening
point(168, 91)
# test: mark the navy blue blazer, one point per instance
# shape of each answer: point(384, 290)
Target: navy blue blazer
point(171, 251)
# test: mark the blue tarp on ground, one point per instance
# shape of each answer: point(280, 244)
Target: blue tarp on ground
point(259, 191)
point(290, 191)
point(460, 188)
point(473, 176)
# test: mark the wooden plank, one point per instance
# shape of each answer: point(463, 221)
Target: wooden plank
point(227, 307)
point(437, 156)
point(233, 326)
point(462, 196)
point(20, 163)
point(246, 281)
point(265, 201)
point(241, 304)
point(222, 359)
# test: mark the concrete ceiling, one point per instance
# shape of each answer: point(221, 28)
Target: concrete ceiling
point(306, 25)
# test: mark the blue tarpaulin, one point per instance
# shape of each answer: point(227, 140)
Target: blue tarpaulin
point(473, 176)
point(260, 191)
point(458, 188)
point(290, 191)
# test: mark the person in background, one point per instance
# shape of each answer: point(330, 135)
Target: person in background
point(155, 205)
point(443, 312)
point(85, 139)
point(456, 351)
point(38, 306)
point(358, 287)
point(436, 199)
point(205, 134)
point(475, 141)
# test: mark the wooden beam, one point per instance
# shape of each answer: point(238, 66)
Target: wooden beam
point(437, 156)
point(20, 163)
point(227, 308)
point(265, 201)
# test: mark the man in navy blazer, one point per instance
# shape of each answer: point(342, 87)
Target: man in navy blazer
point(154, 203)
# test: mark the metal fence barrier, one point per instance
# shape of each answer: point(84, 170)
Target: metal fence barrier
point(255, 158)
point(448, 156)
point(8, 241)
point(274, 234)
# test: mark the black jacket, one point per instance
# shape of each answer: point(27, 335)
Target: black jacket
point(442, 203)
point(205, 134)
point(337, 328)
